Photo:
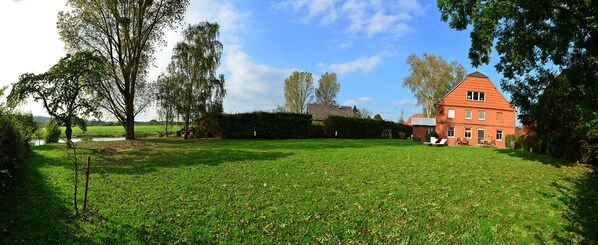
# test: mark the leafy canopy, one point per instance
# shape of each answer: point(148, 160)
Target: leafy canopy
point(67, 90)
point(328, 88)
point(540, 45)
point(298, 91)
point(430, 78)
point(126, 33)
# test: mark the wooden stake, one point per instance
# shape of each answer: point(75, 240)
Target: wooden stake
point(86, 184)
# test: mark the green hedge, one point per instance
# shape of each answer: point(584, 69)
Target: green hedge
point(357, 128)
point(583, 150)
point(266, 125)
point(13, 141)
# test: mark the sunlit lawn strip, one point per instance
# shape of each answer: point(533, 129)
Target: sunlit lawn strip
point(305, 191)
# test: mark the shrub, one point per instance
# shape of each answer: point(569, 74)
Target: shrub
point(13, 146)
point(266, 125)
point(511, 138)
point(357, 128)
point(52, 134)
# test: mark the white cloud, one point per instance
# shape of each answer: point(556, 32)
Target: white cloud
point(364, 64)
point(404, 102)
point(251, 86)
point(371, 17)
point(366, 100)
point(30, 41)
point(360, 101)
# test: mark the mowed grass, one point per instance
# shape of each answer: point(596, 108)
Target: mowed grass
point(119, 131)
point(301, 191)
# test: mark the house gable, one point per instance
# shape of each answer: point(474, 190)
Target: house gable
point(476, 82)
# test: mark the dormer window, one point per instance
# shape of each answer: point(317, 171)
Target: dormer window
point(476, 96)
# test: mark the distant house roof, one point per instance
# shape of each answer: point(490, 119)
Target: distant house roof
point(417, 115)
point(320, 112)
point(426, 121)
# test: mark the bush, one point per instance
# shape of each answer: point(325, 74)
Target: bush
point(511, 138)
point(266, 125)
point(52, 134)
point(357, 128)
point(13, 146)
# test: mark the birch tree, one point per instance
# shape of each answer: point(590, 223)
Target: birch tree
point(298, 91)
point(430, 78)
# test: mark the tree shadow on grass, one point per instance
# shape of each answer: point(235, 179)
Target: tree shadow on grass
point(289, 143)
point(581, 197)
point(150, 160)
point(582, 201)
point(536, 157)
point(32, 210)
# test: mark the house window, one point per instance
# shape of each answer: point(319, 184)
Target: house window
point(476, 96)
point(430, 130)
point(499, 135)
point(467, 114)
point(451, 132)
point(481, 115)
point(451, 113)
point(467, 133)
point(499, 117)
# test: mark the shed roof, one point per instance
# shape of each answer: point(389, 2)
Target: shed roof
point(426, 121)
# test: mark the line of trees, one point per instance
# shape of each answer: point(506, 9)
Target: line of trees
point(190, 88)
point(126, 33)
point(299, 91)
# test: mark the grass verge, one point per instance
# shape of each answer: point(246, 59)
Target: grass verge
point(301, 191)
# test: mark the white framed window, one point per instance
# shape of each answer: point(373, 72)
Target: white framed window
point(499, 135)
point(451, 113)
point(481, 115)
point(450, 132)
point(468, 114)
point(476, 96)
point(467, 133)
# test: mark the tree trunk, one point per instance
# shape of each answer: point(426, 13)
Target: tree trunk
point(130, 120)
point(68, 131)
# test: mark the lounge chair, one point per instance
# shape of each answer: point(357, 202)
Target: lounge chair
point(433, 140)
point(441, 143)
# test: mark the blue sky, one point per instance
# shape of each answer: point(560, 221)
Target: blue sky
point(365, 42)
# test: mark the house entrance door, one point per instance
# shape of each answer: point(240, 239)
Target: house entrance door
point(480, 135)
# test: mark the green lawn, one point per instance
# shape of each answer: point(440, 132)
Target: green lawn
point(119, 131)
point(301, 191)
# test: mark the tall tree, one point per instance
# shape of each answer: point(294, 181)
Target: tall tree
point(532, 38)
point(67, 90)
point(327, 90)
point(298, 91)
point(166, 101)
point(199, 91)
point(430, 78)
point(126, 33)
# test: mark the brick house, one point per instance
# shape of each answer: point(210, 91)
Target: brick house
point(476, 110)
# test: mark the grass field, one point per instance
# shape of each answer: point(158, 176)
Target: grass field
point(119, 131)
point(301, 191)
